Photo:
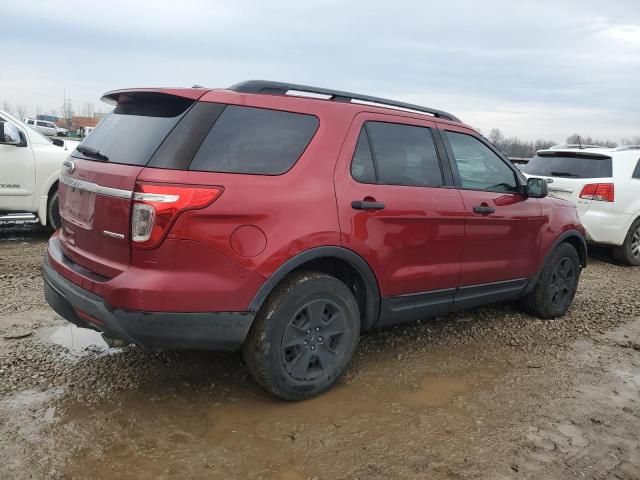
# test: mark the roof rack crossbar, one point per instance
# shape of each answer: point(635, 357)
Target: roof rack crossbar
point(281, 88)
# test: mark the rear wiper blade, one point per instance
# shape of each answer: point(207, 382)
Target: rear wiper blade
point(92, 152)
point(563, 174)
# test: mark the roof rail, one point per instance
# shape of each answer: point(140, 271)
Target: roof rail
point(281, 88)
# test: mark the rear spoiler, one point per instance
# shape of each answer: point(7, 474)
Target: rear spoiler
point(572, 154)
point(116, 97)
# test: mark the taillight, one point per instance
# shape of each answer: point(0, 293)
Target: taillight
point(603, 192)
point(156, 207)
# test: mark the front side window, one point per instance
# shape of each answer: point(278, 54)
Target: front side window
point(396, 154)
point(479, 167)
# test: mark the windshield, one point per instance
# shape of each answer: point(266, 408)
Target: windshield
point(569, 166)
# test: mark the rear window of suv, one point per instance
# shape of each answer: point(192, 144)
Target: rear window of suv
point(134, 130)
point(164, 131)
point(569, 165)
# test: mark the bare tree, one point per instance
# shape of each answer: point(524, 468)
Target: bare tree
point(21, 111)
point(88, 109)
point(495, 136)
point(515, 147)
point(6, 106)
point(577, 139)
point(67, 113)
point(542, 144)
point(635, 140)
point(38, 110)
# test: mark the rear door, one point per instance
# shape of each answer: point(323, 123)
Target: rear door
point(397, 210)
point(502, 232)
point(98, 180)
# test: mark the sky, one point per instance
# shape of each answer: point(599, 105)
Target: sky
point(534, 69)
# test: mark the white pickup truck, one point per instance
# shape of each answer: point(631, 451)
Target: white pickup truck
point(30, 165)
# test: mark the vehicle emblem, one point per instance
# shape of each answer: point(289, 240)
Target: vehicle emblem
point(549, 180)
point(69, 167)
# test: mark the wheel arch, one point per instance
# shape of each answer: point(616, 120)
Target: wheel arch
point(46, 190)
point(344, 264)
point(574, 238)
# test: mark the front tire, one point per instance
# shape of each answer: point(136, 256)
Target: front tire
point(629, 252)
point(557, 284)
point(53, 212)
point(304, 337)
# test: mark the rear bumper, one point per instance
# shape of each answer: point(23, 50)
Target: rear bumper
point(223, 331)
point(605, 227)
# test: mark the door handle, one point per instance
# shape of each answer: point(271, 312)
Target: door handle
point(367, 205)
point(484, 209)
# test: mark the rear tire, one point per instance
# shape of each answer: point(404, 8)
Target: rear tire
point(304, 336)
point(629, 252)
point(556, 286)
point(53, 212)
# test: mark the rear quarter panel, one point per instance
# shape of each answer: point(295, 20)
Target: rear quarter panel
point(291, 213)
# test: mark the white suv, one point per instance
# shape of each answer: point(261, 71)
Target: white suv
point(47, 128)
point(604, 183)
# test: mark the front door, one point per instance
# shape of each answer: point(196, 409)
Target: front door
point(398, 210)
point(502, 233)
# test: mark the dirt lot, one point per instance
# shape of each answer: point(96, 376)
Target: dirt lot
point(490, 393)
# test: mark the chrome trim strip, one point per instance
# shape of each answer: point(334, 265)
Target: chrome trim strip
point(155, 197)
point(95, 188)
point(560, 189)
point(119, 236)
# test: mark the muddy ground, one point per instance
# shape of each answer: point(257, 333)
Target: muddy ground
point(490, 393)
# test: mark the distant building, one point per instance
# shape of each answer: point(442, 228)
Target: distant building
point(77, 122)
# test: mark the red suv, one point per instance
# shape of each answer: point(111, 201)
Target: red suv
point(285, 219)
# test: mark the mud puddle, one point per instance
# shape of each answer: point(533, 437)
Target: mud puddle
point(77, 342)
point(232, 429)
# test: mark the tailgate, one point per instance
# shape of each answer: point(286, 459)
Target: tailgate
point(95, 206)
point(97, 181)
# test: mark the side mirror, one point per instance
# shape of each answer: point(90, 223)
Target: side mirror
point(537, 188)
point(10, 134)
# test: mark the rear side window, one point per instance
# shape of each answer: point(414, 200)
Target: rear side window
point(42, 124)
point(636, 172)
point(396, 154)
point(569, 165)
point(255, 141)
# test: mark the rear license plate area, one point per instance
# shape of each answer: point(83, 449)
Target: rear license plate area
point(78, 206)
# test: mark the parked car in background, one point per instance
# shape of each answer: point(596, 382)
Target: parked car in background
point(85, 131)
point(265, 218)
point(47, 128)
point(604, 183)
point(29, 171)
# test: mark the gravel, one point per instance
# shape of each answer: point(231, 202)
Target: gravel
point(607, 296)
